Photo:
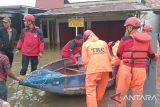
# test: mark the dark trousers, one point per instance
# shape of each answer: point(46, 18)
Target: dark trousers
point(25, 63)
point(3, 90)
point(10, 56)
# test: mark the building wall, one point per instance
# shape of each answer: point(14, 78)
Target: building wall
point(101, 21)
point(110, 24)
point(108, 30)
point(153, 19)
point(67, 33)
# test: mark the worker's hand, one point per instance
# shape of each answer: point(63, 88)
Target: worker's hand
point(156, 57)
point(40, 54)
point(19, 80)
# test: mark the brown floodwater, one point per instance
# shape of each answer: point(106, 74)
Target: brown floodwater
point(20, 96)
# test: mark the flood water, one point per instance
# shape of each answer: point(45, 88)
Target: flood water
point(20, 96)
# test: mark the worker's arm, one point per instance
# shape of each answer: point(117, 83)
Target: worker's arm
point(125, 43)
point(41, 46)
point(85, 57)
point(7, 69)
point(11, 75)
point(71, 46)
point(151, 54)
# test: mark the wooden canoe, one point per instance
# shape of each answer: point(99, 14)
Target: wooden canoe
point(61, 77)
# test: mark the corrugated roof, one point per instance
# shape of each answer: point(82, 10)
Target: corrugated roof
point(97, 8)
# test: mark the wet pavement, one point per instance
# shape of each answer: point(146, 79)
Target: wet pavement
point(20, 96)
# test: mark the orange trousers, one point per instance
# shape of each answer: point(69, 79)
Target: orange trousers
point(127, 80)
point(95, 87)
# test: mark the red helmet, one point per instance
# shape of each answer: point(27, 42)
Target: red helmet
point(147, 27)
point(133, 21)
point(87, 33)
point(29, 17)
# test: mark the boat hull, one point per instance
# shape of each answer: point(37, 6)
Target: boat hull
point(56, 78)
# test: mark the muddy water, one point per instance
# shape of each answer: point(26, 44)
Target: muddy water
point(20, 96)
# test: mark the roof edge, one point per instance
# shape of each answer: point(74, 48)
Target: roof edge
point(101, 2)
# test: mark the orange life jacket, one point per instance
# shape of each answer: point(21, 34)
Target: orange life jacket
point(138, 53)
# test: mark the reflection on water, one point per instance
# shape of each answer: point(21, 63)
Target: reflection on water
point(20, 96)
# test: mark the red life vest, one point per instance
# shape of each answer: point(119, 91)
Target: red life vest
point(138, 53)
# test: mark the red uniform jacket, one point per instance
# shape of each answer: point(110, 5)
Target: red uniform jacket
point(70, 49)
point(31, 41)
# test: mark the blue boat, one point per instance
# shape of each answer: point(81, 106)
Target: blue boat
point(61, 77)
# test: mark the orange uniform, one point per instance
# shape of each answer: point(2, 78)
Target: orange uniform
point(133, 50)
point(132, 69)
point(96, 58)
point(115, 48)
point(115, 59)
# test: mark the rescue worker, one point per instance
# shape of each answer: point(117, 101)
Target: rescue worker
point(148, 29)
point(113, 46)
point(72, 48)
point(30, 43)
point(5, 70)
point(133, 50)
point(8, 35)
point(96, 58)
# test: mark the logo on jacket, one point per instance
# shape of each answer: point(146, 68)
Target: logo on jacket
point(98, 50)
